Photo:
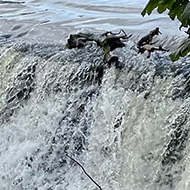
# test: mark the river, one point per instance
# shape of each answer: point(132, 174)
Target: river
point(64, 112)
point(49, 20)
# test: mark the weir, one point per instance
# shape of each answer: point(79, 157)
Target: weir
point(128, 126)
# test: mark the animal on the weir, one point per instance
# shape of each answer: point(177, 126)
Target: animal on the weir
point(148, 38)
point(146, 44)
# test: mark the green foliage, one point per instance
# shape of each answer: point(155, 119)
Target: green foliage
point(182, 50)
point(186, 15)
point(179, 9)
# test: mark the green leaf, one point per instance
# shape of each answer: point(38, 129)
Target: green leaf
point(161, 4)
point(177, 8)
point(182, 50)
point(168, 3)
point(165, 4)
point(151, 5)
point(186, 15)
point(161, 9)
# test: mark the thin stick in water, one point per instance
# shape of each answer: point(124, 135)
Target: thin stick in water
point(84, 171)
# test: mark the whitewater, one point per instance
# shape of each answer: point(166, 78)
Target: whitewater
point(126, 124)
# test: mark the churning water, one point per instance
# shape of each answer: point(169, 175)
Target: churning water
point(127, 125)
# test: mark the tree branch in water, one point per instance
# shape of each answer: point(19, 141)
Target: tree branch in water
point(84, 171)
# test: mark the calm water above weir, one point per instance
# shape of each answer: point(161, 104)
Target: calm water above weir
point(53, 20)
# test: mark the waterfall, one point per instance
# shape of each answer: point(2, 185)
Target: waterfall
point(127, 125)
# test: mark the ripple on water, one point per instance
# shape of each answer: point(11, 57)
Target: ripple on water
point(71, 16)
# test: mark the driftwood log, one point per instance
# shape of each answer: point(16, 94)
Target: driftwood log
point(149, 49)
point(109, 41)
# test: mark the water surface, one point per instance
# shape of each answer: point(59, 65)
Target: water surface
point(54, 20)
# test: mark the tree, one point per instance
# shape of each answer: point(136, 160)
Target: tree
point(179, 9)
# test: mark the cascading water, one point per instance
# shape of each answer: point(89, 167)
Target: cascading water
point(128, 126)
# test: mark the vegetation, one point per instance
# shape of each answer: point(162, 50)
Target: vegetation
point(179, 9)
